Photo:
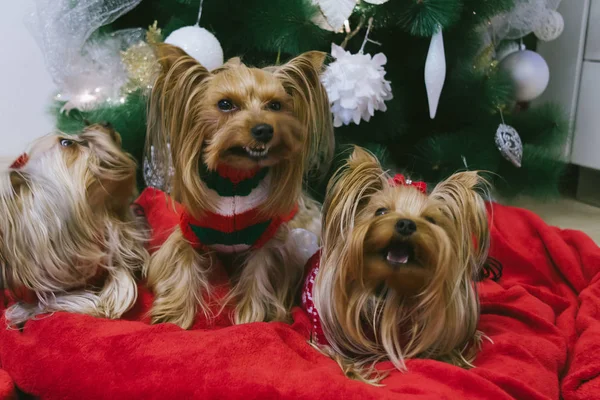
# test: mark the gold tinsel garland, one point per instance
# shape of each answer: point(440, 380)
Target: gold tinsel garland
point(140, 62)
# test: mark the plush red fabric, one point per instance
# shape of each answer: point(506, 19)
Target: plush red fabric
point(531, 316)
point(582, 380)
point(7, 386)
point(162, 213)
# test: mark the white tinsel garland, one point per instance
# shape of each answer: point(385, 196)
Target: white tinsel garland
point(356, 86)
point(528, 16)
point(86, 67)
point(155, 173)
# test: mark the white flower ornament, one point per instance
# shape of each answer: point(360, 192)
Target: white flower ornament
point(356, 86)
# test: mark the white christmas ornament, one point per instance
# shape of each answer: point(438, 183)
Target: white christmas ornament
point(435, 71)
point(336, 11)
point(319, 20)
point(356, 86)
point(551, 26)
point(509, 143)
point(376, 1)
point(198, 43)
point(508, 47)
point(529, 72)
point(303, 243)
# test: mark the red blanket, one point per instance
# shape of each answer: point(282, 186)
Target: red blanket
point(7, 387)
point(542, 316)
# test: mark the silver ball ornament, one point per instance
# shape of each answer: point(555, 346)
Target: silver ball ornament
point(199, 44)
point(529, 72)
point(506, 48)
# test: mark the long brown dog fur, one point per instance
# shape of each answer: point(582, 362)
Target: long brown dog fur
point(373, 309)
point(186, 127)
point(66, 232)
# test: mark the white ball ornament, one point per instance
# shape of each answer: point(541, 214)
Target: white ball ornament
point(551, 26)
point(508, 47)
point(199, 44)
point(529, 72)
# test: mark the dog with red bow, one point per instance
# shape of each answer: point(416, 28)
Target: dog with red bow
point(396, 276)
point(68, 240)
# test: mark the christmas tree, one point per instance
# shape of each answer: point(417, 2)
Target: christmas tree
point(477, 95)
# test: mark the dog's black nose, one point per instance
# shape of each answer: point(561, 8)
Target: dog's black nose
point(263, 133)
point(406, 227)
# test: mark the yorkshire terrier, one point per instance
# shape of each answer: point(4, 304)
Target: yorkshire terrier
point(398, 269)
point(240, 141)
point(68, 241)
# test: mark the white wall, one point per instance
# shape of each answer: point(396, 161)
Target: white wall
point(26, 87)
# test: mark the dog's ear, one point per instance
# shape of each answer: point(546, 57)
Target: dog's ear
point(349, 189)
point(234, 62)
point(173, 110)
point(107, 129)
point(110, 171)
point(461, 198)
point(309, 65)
point(342, 268)
point(167, 55)
point(300, 78)
point(362, 158)
point(16, 180)
point(12, 169)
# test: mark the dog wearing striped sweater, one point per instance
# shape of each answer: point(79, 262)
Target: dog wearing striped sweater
point(238, 143)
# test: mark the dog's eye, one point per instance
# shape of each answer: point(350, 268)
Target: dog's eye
point(381, 211)
point(225, 105)
point(430, 220)
point(274, 106)
point(66, 142)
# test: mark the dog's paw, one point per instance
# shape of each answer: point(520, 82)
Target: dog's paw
point(256, 311)
point(181, 321)
point(165, 313)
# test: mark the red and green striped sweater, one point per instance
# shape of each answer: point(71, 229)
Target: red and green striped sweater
point(235, 225)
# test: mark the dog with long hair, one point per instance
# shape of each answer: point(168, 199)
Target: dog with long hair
point(68, 240)
point(396, 277)
point(240, 142)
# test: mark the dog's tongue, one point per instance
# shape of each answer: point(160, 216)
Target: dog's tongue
point(398, 254)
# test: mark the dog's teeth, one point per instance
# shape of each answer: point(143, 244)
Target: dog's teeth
point(256, 152)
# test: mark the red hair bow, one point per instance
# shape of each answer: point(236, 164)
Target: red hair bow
point(20, 162)
point(400, 180)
